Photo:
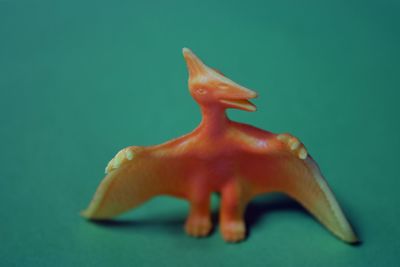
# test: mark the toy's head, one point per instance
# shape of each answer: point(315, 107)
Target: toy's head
point(209, 87)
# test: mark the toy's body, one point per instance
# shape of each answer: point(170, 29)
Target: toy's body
point(237, 160)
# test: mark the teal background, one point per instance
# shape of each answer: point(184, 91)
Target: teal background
point(80, 80)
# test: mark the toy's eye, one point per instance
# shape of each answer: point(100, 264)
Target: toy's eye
point(201, 91)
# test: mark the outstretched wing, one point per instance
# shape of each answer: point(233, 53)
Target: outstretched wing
point(133, 177)
point(305, 183)
point(297, 175)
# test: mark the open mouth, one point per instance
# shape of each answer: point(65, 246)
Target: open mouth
point(242, 104)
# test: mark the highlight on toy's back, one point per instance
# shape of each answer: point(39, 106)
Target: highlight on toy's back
point(195, 165)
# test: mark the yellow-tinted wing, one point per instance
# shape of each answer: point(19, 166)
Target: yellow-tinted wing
point(313, 192)
point(288, 168)
point(302, 180)
point(133, 177)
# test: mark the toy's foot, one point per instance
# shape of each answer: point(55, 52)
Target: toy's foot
point(198, 226)
point(122, 156)
point(233, 231)
point(293, 144)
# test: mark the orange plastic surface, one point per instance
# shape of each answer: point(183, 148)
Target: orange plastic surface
point(220, 155)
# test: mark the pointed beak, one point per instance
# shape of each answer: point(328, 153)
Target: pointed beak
point(241, 103)
point(194, 64)
point(237, 96)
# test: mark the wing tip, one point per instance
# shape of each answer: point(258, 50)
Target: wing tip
point(93, 216)
point(86, 214)
point(349, 237)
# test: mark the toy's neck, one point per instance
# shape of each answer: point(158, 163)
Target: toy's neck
point(214, 121)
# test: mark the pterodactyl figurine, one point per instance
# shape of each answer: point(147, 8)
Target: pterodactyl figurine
point(236, 160)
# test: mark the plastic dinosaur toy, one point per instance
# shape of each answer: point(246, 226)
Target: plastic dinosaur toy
point(237, 160)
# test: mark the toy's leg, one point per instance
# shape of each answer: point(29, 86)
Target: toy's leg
point(198, 223)
point(233, 205)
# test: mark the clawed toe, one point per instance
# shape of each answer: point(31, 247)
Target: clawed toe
point(122, 156)
point(198, 227)
point(233, 232)
point(293, 144)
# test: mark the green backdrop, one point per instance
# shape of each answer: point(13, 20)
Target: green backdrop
point(80, 80)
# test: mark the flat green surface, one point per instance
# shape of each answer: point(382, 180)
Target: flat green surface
point(80, 80)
